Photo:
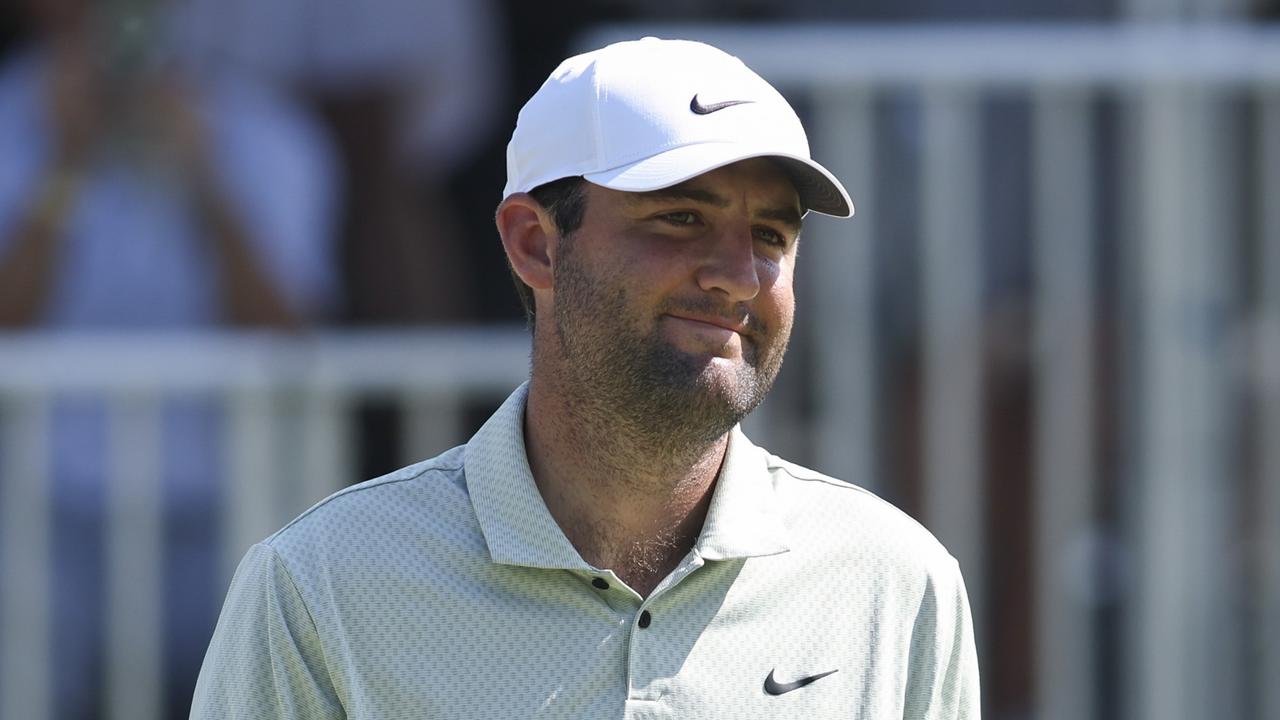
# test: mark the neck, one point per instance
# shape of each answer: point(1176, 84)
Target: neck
point(629, 500)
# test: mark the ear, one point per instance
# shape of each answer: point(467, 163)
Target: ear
point(527, 232)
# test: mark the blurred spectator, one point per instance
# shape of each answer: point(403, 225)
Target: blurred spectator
point(409, 87)
point(131, 195)
point(134, 195)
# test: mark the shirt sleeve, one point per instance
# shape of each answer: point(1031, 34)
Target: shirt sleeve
point(942, 681)
point(265, 659)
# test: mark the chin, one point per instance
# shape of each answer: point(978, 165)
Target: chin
point(726, 388)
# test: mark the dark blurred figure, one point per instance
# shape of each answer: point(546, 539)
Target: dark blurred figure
point(134, 195)
point(408, 88)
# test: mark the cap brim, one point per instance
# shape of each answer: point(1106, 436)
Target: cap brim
point(818, 189)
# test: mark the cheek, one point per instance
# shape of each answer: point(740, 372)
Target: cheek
point(774, 273)
point(776, 306)
point(775, 284)
point(633, 290)
point(783, 303)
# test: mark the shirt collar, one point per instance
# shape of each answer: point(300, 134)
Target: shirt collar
point(745, 517)
point(516, 524)
point(743, 520)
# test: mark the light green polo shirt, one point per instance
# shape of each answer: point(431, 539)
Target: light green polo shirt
point(446, 590)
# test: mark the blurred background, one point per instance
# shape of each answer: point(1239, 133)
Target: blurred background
point(247, 258)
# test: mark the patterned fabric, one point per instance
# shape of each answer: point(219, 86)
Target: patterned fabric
point(446, 590)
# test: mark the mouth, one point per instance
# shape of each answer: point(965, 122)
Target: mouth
point(714, 324)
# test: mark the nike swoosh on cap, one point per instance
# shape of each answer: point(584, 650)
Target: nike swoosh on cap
point(700, 109)
point(773, 687)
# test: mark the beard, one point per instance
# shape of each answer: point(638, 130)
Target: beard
point(621, 368)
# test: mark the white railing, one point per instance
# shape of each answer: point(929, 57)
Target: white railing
point(1197, 358)
point(286, 398)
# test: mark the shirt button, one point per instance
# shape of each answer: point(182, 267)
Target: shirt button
point(645, 617)
point(600, 583)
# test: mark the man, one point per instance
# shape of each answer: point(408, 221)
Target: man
point(408, 90)
point(609, 544)
point(136, 196)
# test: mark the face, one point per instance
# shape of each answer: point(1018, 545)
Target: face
point(674, 307)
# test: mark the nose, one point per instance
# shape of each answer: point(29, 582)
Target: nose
point(730, 265)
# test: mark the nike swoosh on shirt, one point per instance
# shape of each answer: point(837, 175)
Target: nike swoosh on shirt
point(773, 687)
point(700, 109)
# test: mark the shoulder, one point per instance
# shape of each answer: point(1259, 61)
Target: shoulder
point(843, 518)
point(349, 557)
point(404, 507)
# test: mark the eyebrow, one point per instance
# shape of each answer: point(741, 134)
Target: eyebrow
point(788, 216)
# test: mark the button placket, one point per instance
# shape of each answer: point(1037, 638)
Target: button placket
point(642, 653)
point(612, 592)
point(639, 662)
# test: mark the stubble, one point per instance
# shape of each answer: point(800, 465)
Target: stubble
point(625, 375)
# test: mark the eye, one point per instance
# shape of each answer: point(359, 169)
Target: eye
point(682, 217)
point(771, 237)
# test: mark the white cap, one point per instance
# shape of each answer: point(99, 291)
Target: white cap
point(648, 114)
